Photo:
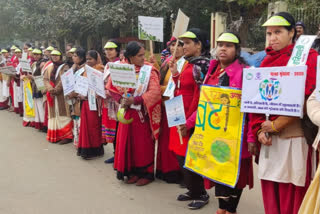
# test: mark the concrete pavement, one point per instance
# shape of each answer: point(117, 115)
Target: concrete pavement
point(42, 178)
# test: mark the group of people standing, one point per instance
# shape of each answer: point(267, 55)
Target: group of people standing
point(285, 175)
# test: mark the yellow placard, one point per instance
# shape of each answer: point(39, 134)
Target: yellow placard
point(214, 150)
point(28, 99)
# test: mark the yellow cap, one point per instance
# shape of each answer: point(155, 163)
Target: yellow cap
point(110, 45)
point(30, 49)
point(50, 48)
point(56, 53)
point(276, 21)
point(17, 50)
point(189, 35)
point(13, 47)
point(228, 37)
point(4, 51)
point(37, 51)
point(72, 50)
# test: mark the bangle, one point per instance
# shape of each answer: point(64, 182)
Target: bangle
point(273, 127)
point(259, 131)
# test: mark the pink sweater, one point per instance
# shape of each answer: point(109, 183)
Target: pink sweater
point(234, 71)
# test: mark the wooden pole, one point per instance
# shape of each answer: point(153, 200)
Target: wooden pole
point(151, 48)
point(180, 135)
point(175, 50)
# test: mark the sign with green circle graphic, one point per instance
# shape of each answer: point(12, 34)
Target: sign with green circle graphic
point(220, 151)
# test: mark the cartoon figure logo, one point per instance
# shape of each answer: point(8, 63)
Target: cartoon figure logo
point(270, 89)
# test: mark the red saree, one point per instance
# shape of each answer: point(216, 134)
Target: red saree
point(90, 142)
point(135, 142)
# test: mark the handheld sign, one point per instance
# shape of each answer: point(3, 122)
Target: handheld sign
point(9, 70)
point(274, 90)
point(175, 113)
point(95, 80)
point(150, 28)
point(25, 65)
point(181, 24)
point(123, 75)
point(82, 86)
point(180, 27)
point(214, 149)
point(39, 82)
point(68, 82)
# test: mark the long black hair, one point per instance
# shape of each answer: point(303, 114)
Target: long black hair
point(287, 16)
point(132, 49)
point(81, 53)
point(93, 54)
point(202, 37)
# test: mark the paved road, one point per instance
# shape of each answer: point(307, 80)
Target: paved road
point(41, 178)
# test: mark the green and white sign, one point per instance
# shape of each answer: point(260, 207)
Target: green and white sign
point(150, 28)
point(301, 50)
point(123, 75)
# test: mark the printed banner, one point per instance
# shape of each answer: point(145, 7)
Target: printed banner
point(274, 90)
point(150, 28)
point(214, 150)
point(28, 99)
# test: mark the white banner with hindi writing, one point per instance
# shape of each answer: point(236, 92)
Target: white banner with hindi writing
point(274, 90)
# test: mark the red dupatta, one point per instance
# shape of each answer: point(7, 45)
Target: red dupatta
point(151, 98)
point(281, 58)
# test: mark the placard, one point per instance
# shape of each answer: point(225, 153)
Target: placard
point(39, 82)
point(68, 82)
point(82, 85)
point(181, 24)
point(95, 80)
point(25, 65)
point(274, 90)
point(150, 28)
point(123, 75)
point(214, 149)
point(175, 111)
point(9, 70)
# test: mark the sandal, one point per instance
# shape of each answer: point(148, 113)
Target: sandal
point(199, 203)
point(184, 197)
